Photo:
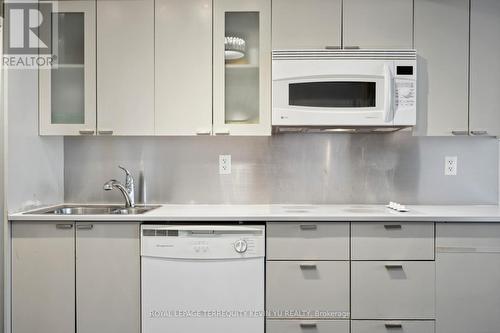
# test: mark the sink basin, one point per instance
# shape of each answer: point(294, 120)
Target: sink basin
point(95, 210)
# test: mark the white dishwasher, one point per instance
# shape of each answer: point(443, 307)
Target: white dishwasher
point(202, 278)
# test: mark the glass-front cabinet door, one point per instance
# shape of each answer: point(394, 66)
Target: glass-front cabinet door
point(67, 90)
point(242, 67)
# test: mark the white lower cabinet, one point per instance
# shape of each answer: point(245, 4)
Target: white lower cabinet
point(85, 280)
point(306, 289)
point(300, 326)
point(389, 326)
point(393, 290)
point(467, 278)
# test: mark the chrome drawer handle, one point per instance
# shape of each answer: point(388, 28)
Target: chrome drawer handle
point(85, 226)
point(308, 227)
point(64, 226)
point(393, 325)
point(106, 132)
point(394, 266)
point(86, 132)
point(308, 325)
point(479, 132)
point(459, 132)
point(351, 47)
point(308, 266)
point(393, 226)
point(332, 47)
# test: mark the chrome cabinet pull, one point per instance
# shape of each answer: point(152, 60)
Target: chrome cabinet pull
point(308, 227)
point(332, 47)
point(105, 132)
point(393, 325)
point(86, 132)
point(392, 226)
point(308, 266)
point(479, 132)
point(351, 47)
point(459, 132)
point(222, 132)
point(203, 132)
point(85, 226)
point(64, 226)
point(308, 325)
point(394, 266)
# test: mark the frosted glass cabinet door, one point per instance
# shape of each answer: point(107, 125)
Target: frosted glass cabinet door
point(306, 24)
point(67, 91)
point(242, 67)
point(380, 24)
point(484, 68)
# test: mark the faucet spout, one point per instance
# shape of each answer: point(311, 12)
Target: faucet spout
point(127, 190)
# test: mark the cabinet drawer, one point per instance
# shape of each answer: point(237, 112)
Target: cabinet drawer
point(300, 326)
point(299, 289)
point(393, 290)
point(392, 241)
point(381, 326)
point(307, 241)
point(468, 237)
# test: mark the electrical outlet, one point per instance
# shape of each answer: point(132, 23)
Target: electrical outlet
point(450, 165)
point(224, 164)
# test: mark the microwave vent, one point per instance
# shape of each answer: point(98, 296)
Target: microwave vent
point(329, 54)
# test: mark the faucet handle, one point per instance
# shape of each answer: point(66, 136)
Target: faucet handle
point(129, 180)
point(126, 171)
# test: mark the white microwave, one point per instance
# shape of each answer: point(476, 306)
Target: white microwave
point(344, 88)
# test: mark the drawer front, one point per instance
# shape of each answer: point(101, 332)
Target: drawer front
point(382, 326)
point(392, 241)
point(300, 289)
point(306, 326)
point(393, 290)
point(307, 241)
point(468, 237)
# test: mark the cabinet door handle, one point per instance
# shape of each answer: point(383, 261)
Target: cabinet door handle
point(308, 266)
point(86, 132)
point(479, 132)
point(351, 47)
point(393, 325)
point(203, 132)
point(308, 325)
point(308, 227)
point(392, 226)
point(64, 226)
point(459, 132)
point(332, 47)
point(105, 132)
point(85, 226)
point(394, 266)
point(222, 132)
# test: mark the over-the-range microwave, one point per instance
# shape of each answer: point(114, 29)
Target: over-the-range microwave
point(344, 88)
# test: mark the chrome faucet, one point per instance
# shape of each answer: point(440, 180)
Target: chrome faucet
point(128, 190)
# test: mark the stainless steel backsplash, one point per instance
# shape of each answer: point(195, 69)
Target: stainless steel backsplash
point(289, 168)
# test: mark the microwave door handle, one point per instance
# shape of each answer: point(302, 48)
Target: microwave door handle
point(389, 92)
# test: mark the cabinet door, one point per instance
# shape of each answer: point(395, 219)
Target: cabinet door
point(380, 24)
point(67, 91)
point(306, 24)
point(242, 67)
point(183, 70)
point(43, 277)
point(125, 67)
point(484, 67)
point(107, 277)
point(443, 49)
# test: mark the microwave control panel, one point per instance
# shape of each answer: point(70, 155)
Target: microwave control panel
point(405, 86)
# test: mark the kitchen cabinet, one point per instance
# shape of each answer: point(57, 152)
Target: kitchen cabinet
point(381, 24)
point(107, 277)
point(67, 91)
point(43, 277)
point(125, 67)
point(83, 276)
point(484, 68)
point(183, 97)
point(242, 67)
point(443, 74)
point(467, 277)
point(306, 24)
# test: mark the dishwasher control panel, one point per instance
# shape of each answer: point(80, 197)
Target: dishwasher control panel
point(203, 242)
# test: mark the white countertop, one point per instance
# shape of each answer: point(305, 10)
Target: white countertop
point(201, 213)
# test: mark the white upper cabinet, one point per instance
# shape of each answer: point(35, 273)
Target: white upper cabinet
point(485, 67)
point(183, 67)
point(441, 39)
point(67, 91)
point(125, 67)
point(380, 24)
point(242, 67)
point(306, 24)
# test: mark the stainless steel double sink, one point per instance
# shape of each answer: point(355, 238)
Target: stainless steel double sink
point(93, 210)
